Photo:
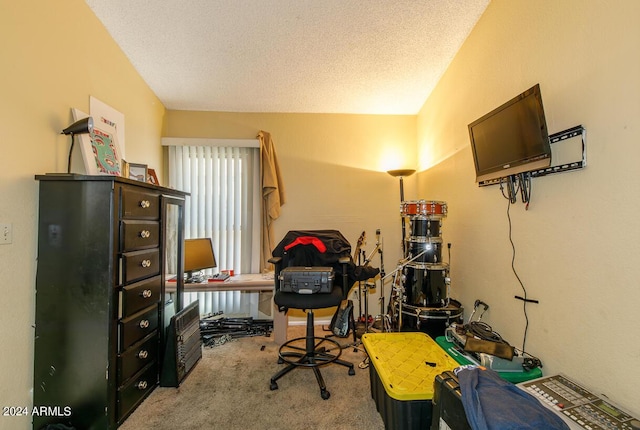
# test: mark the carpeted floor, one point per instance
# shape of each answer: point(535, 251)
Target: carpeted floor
point(229, 389)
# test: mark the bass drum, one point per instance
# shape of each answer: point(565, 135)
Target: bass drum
point(426, 287)
point(432, 321)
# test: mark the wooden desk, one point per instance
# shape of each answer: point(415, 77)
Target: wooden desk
point(245, 282)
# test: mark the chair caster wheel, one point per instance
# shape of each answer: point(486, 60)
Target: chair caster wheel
point(352, 371)
point(273, 386)
point(325, 394)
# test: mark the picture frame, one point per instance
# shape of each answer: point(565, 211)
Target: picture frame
point(109, 120)
point(100, 149)
point(125, 169)
point(137, 171)
point(152, 177)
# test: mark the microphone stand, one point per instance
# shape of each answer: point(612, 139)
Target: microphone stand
point(368, 285)
point(359, 290)
point(386, 326)
point(362, 293)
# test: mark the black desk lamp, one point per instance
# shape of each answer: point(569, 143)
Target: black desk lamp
point(81, 126)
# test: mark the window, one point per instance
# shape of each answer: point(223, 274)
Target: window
point(224, 204)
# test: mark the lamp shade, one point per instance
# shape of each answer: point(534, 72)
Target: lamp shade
point(81, 126)
point(401, 172)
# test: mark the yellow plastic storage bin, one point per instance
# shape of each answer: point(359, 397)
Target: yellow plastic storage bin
point(402, 371)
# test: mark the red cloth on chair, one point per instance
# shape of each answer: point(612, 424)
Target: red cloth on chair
point(307, 240)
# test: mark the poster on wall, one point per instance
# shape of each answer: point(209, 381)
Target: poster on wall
point(108, 120)
point(100, 149)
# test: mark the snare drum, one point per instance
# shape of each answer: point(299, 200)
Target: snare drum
point(424, 226)
point(425, 287)
point(428, 250)
point(426, 208)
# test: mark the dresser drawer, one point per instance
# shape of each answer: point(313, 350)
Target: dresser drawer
point(137, 326)
point(136, 235)
point(139, 265)
point(137, 357)
point(140, 204)
point(131, 394)
point(140, 295)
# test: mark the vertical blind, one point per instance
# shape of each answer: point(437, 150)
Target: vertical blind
point(224, 205)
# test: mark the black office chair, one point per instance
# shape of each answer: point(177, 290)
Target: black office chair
point(314, 248)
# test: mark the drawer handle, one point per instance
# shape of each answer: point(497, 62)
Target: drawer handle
point(145, 234)
point(143, 354)
point(146, 263)
point(144, 323)
point(146, 294)
point(144, 204)
point(141, 385)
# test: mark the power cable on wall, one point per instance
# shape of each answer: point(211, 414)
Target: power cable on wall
point(524, 299)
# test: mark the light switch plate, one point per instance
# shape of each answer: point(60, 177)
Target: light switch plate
point(6, 234)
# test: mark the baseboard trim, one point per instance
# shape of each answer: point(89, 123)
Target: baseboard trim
point(321, 321)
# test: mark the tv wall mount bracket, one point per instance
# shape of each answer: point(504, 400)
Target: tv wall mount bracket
point(576, 131)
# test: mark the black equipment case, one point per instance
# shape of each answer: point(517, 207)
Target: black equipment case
point(448, 411)
point(306, 280)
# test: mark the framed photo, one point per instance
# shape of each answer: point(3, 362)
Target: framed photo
point(100, 150)
point(152, 178)
point(138, 172)
point(124, 170)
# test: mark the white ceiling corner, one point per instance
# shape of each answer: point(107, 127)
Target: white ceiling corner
point(313, 56)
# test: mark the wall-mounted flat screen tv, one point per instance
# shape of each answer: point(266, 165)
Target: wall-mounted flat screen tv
point(512, 138)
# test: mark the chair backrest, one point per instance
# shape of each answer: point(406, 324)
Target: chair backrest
point(309, 248)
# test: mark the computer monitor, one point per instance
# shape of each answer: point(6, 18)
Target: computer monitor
point(198, 255)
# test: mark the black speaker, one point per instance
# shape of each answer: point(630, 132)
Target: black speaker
point(448, 411)
point(183, 347)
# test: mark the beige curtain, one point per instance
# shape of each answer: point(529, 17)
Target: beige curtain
point(273, 196)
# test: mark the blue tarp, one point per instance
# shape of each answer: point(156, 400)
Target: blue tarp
point(491, 403)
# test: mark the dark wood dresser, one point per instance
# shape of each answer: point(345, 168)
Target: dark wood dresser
point(105, 246)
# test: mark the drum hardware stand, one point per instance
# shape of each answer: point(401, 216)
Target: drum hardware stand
point(475, 307)
point(361, 257)
point(378, 249)
point(368, 285)
point(447, 279)
point(396, 285)
point(382, 321)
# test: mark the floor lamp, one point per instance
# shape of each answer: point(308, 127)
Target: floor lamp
point(401, 173)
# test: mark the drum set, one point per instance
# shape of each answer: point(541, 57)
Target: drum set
point(420, 293)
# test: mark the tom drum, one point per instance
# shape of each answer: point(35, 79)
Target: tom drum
point(425, 250)
point(421, 226)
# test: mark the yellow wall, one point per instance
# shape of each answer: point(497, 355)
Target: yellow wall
point(577, 245)
point(54, 56)
point(334, 169)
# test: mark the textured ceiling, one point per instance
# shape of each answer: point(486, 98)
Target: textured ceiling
point(315, 56)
